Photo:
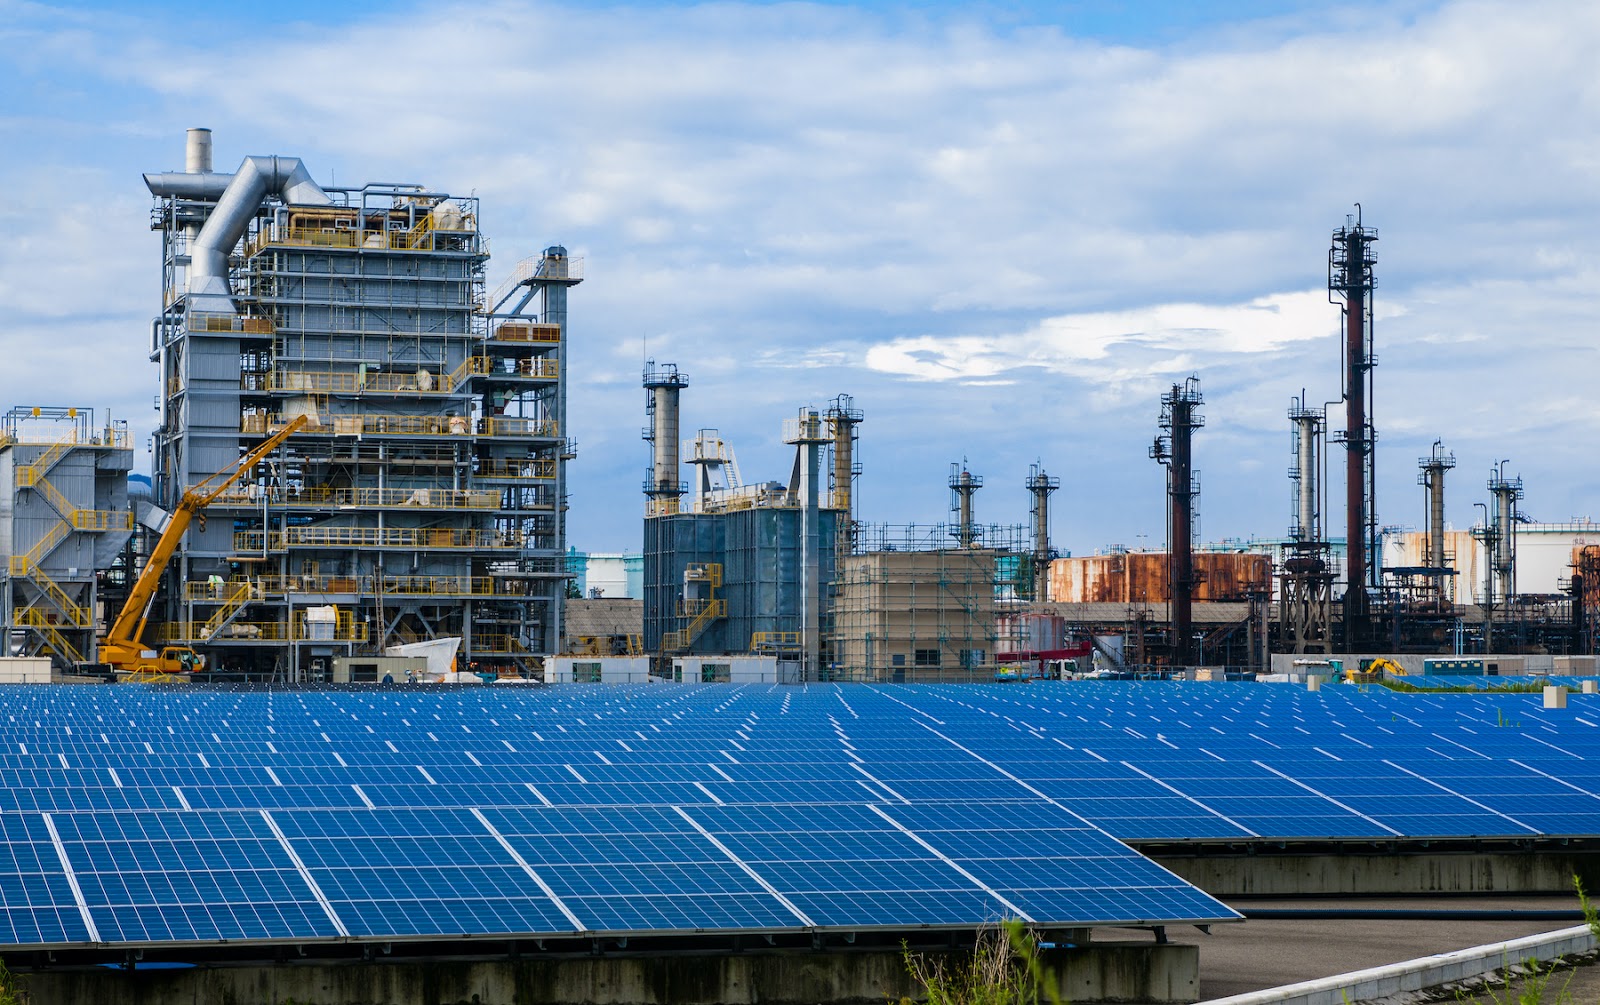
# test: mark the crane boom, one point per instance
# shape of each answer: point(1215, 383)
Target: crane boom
point(121, 646)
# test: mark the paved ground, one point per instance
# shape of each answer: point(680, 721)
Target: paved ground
point(1254, 955)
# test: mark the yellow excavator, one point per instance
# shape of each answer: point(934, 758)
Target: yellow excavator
point(120, 649)
point(1373, 670)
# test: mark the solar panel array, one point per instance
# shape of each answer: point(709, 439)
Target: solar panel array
point(144, 816)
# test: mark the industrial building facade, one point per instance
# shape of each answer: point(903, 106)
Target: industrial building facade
point(424, 495)
point(63, 516)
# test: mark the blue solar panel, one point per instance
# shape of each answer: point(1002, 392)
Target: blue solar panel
point(705, 808)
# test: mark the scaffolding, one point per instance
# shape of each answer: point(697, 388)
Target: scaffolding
point(913, 604)
point(426, 496)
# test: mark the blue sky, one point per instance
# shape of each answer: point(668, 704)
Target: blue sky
point(1004, 228)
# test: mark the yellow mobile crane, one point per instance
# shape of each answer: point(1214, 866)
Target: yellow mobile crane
point(120, 649)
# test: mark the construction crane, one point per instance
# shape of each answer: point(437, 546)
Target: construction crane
point(120, 649)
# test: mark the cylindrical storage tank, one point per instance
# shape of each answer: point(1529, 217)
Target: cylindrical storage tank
point(1142, 577)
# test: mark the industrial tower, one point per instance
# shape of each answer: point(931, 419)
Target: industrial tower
point(1180, 417)
point(963, 486)
point(424, 498)
point(1430, 476)
point(1306, 595)
point(743, 567)
point(1350, 261)
point(1040, 485)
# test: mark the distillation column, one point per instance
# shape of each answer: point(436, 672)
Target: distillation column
point(1040, 485)
point(963, 485)
point(1306, 597)
point(1350, 262)
point(807, 436)
point(1180, 417)
point(843, 417)
point(1503, 561)
point(1431, 478)
point(662, 482)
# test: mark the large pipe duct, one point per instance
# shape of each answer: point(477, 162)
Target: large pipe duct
point(256, 178)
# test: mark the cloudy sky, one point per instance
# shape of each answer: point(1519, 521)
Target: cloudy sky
point(1004, 228)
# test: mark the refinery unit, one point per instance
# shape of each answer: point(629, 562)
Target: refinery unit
point(360, 450)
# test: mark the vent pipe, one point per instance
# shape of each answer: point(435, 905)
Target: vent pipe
point(197, 152)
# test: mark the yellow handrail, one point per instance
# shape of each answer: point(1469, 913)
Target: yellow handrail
point(380, 537)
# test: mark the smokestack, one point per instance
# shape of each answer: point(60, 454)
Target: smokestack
point(1040, 485)
point(1350, 262)
point(963, 485)
point(662, 483)
point(1180, 417)
point(197, 152)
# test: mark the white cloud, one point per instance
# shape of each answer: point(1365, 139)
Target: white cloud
point(1004, 242)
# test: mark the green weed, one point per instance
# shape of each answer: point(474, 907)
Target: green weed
point(1003, 968)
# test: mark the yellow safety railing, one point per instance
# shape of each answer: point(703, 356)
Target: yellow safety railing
point(44, 546)
point(486, 366)
point(343, 629)
point(100, 520)
point(254, 588)
point(497, 645)
point(520, 469)
point(367, 498)
point(77, 615)
point(422, 237)
point(774, 640)
point(36, 619)
point(352, 381)
point(501, 425)
point(706, 611)
point(371, 424)
point(527, 331)
point(373, 537)
point(209, 321)
point(235, 596)
point(704, 572)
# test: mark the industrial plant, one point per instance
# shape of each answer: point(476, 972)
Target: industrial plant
point(358, 500)
point(359, 469)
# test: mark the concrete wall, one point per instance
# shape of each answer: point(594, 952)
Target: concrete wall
point(1291, 875)
point(1503, 666)
point(613, 669)
point(1143, 971)
point(25, 670)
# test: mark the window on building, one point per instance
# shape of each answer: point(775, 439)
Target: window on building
point(971, 658)
point(716, 673)
point(586, 673)
point(899, 659)
point(926, 657)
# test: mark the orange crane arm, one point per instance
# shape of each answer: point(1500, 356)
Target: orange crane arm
point(125, 630)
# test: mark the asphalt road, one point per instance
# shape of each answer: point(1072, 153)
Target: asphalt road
point(1259, 954)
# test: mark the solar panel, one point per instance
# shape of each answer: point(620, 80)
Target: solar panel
point(193, 815)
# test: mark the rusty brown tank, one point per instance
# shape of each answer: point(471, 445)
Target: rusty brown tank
point(1142, 577)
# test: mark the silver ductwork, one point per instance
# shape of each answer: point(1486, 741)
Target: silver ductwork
point(256, 178)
